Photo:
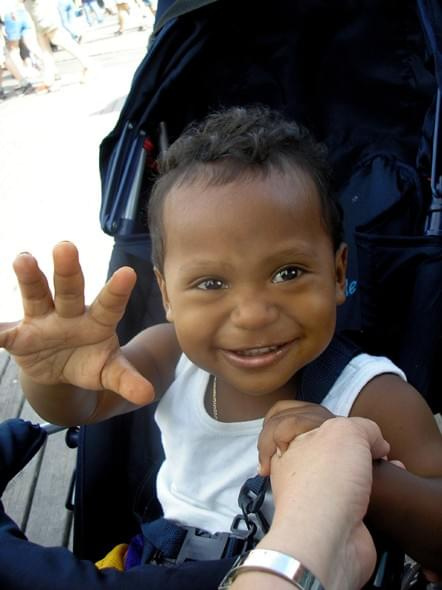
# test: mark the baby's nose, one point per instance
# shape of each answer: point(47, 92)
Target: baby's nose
point(254, 312)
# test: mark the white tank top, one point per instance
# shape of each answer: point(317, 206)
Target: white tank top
point(208, 461)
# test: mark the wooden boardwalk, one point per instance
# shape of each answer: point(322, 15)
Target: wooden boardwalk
point(36, 497)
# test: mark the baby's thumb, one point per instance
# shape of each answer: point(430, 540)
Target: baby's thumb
point(121, 377)
point(7, 334)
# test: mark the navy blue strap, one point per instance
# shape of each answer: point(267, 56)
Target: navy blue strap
point(162, 536)
point(166, 542)
point(316, 379)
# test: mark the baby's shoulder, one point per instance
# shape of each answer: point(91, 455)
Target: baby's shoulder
point(357, 373)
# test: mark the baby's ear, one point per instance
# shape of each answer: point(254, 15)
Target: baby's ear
point(340, 272)
point(163, 288)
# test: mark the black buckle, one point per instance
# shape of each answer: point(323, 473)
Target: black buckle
point(201, 545)
point(250, 503)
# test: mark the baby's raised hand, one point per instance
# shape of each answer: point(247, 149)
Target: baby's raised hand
point(286, 420)
point(60, 340)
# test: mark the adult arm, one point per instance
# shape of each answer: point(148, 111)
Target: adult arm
point(321, 486)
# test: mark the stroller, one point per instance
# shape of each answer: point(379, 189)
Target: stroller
point(366, 79)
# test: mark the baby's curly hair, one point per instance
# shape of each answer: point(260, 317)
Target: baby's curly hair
point(235, 143)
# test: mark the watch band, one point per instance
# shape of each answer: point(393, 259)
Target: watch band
point(276, 563)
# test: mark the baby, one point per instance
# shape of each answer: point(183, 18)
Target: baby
point(248, 253)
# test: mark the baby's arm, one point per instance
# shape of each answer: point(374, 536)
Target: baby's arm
point(406, 505)
point(72, 368)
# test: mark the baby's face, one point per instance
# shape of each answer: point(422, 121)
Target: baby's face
point(251, 281)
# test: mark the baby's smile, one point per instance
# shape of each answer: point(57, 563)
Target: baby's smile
point(257, 351)
point(259, 356)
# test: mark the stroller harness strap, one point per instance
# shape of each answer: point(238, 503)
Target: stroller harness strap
point(164, 542)
point(316, 379)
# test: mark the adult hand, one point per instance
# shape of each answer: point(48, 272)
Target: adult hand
point(321, 487)
point(60, 340)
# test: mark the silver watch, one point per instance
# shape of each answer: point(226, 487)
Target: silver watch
point(276, 563)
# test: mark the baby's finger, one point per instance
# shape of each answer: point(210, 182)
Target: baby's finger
point(7, 334)
point(122, 377)
point(266, 450)
point(278, 433)
point(36, 295)
point(284, 405)
point(108, 308)
point(68, 281)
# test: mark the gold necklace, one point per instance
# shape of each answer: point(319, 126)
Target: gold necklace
point(214, 404)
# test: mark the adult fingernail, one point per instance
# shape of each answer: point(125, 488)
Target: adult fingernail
point(278, 452)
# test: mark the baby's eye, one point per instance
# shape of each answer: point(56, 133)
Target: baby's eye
point(286, 274)
point(211, 284)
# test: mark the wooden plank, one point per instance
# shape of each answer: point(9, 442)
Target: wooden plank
point(19, 494)
point(4, 359)
point(70, 544)
point(35, 498)
point(11, 399)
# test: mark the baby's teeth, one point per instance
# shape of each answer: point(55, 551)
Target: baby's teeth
point(258, 351)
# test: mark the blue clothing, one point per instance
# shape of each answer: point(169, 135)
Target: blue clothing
point(17, 23)
point(91, 9)
point(68, 15)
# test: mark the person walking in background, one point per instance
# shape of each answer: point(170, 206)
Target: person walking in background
point(92, 12)
point(150, 6)
point(19, 29)
point(138, 9)
point(69, 18)
point(50, 30)
point(122, 13)
point(24, 86)
point(109, 7)
point(6, 64)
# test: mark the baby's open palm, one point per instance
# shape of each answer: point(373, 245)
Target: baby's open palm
point(60, 340)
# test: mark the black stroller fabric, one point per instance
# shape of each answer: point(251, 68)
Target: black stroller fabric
point(363, 76)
